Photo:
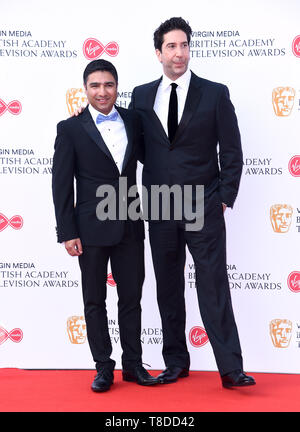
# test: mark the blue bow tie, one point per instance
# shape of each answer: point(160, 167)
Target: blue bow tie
point(112, 117)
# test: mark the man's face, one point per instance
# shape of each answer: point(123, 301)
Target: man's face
point(101, 91)
point(174, 54)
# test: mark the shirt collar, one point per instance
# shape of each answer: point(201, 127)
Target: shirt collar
point(94, 113)
point(183, 81)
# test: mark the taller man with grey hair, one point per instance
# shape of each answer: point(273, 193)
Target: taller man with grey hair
point(185, 119)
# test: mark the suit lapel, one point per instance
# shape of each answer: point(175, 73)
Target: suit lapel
point(149, 105)
point(91, 129)
point(151, 94)
point(129, 132)
point(192, 102)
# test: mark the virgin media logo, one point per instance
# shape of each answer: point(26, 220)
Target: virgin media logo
point(93, 49)
point(296, 46)
point(110, 280)
point(294, 166)
point(294, 281)
point(198, 337)
point(16, 222)
point(16, 335)
point(14, 107)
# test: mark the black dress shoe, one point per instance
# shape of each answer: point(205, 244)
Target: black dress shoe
point(104, 379)
point(139, 375)
point(171, 374)
point(237, 378)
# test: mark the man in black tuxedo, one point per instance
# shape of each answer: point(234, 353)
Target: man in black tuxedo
point(98, 148)
point(184, 119)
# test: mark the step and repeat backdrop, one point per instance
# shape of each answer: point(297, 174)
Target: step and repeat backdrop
point(253, 49)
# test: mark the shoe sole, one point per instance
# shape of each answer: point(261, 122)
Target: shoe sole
point(102, 390)
point(130, 379)
point(181, 375)
point(238, 385)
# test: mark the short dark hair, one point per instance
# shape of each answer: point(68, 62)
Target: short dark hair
point(100, 65)
point(175, 23)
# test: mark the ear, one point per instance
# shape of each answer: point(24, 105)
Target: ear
point(158, 53)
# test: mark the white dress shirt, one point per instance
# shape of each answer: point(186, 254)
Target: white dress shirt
point(161, 104)
point(113, 134)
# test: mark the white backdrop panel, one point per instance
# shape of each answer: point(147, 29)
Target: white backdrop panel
point(248, 47)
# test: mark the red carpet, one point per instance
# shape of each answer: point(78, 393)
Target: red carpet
point(69, 391)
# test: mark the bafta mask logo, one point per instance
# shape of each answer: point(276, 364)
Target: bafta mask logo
point(294, 281)
point(281, 217)
point(76, 98)
point(294, 166)
point(76, 327)
point(198, 337)
point(296, 46)
point(283, 100)
point(281, 331)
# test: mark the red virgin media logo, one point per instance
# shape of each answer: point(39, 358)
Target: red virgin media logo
point(296, 46)
point(198, 336)
point(294, 281)
point(294, 166)
point(14, 107)
point(93, 49)
point(110, 280)
point(16, 335)
point(16, 222)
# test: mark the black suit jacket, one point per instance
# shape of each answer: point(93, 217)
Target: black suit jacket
point(207, 147)
point(81, 153)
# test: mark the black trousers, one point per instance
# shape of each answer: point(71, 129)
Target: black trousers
point(168, 241)
point(127, 265)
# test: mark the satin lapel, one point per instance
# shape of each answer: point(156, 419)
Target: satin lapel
point(192, 101)
point(91, 129)
point(129, 131)
point(150, 99)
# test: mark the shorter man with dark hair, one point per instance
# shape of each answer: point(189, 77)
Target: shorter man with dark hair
point(98, 148)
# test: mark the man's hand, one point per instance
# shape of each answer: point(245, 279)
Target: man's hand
point(74, 247)
point(78, 111)
point(224, 207)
